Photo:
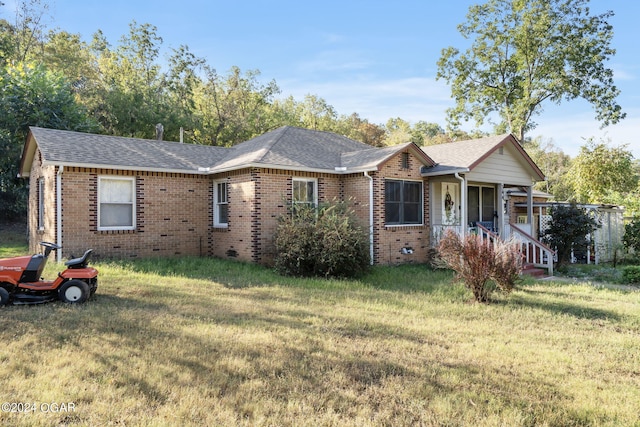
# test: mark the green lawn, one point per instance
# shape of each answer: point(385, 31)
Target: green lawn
point(210, 342)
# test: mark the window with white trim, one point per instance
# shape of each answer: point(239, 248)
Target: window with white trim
point(40, 203)
point(403, 202)
point(116, 203)
point(220, 204)
point(305, 192)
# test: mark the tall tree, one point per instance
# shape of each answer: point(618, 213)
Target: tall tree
point(599, 170)
point(31, 96)
point(526, 52)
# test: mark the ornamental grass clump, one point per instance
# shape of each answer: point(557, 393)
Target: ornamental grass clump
point(483, 265)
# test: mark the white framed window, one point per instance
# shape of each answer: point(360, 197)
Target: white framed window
point(220, 204)
point(116, 203)
point(403, 202)
point(305, 192)
point(40, 203)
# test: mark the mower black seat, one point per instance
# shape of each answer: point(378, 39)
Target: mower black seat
point(80, 262)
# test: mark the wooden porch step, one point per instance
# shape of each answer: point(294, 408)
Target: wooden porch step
point(533, 271)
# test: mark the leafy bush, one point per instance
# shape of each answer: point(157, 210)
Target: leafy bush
point(631, 274)
point(481, 264)
point(631, 238)
point(327, 241)
point(568, 231)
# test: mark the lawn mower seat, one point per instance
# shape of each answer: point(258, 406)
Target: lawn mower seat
point(34, 269)
point(80, 262)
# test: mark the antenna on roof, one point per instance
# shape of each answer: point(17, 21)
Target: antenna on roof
point(159, 131)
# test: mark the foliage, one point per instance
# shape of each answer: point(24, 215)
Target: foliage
point(326, 242)
point(554, 163)
point(599, 170)
point(631, 238)
point(30, 95)
point(631, 274)
point(569, 230)
point(524, 53)
point(477, 261)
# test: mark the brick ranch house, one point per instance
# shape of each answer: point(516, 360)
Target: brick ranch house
point(127, 197)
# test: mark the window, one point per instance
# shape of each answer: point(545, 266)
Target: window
point(220, 204)
point(304, 192)
point(116, 206)
point(403, 202)
point(41, 204)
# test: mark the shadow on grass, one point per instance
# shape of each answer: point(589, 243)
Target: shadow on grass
point(539, 299)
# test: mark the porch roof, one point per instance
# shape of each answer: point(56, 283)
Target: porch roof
point(464, 156)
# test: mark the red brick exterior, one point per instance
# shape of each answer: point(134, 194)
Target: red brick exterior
point(174, 212)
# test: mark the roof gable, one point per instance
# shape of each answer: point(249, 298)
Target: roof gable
point(465, 156)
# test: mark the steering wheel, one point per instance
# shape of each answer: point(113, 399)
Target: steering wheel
point(50, 246)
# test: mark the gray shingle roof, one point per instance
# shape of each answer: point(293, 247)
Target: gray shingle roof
point(286, 147)
point(463, 155)
point(84, 149)
point(292, 147)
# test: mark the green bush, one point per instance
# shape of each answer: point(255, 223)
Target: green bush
point(631, 274)
point(481, 264)
point(327, 242)
point(631, 238)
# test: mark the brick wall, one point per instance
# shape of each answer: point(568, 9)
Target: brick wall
point(47, 233)
point(389, 239)
point(174, 212)
point(172, 215)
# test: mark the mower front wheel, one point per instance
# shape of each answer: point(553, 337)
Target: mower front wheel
point(4, 297)
point(74, 292)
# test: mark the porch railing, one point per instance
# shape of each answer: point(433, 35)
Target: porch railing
point(534, 251)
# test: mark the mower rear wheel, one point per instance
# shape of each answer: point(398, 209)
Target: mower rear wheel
point(74, 292)
point(4, 297)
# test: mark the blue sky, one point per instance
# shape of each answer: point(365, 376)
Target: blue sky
point(376, 58)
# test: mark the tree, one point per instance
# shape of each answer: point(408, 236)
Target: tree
point(599, 171)
point(525, 53)
point(31, 96)
point(569, 230)
point(555, 165)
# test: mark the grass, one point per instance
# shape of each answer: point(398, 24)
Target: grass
point(208, 342)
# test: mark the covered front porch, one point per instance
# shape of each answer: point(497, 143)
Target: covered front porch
point(472, 188)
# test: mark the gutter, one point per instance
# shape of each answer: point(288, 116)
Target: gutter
point(463, 206)
point(370, 216)
point(59, 212)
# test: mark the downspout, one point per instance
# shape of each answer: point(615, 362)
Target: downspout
point(59, 212)
point(463, 203)
point(370, 216)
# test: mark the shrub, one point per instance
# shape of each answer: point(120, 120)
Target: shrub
point(481, 264)
point(631, 274)
point(568, 231)
point(631, 238)
point(328, 242)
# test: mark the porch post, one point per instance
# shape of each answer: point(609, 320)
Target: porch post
point(530, 207)
point(500, 210)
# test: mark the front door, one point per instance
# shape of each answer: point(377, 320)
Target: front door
point(481, 205)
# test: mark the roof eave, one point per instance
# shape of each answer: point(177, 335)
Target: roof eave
point(451, 171)
point(338, 170)
point(199, 171)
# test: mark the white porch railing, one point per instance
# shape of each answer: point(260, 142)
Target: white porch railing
point(534, 251)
